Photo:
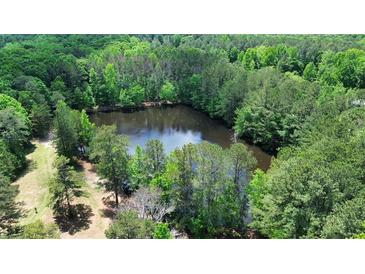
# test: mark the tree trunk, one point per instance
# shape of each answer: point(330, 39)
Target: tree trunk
point(116, 197)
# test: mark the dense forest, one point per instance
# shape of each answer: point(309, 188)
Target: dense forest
point(300, 98)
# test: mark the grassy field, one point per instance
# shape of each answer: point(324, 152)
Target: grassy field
point(33, 189)
point(33, 193)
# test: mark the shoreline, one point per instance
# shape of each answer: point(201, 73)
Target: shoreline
point(144, 105)
point(157, 104)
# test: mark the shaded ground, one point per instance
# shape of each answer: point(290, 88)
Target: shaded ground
point(80, 220)
point(92, 211)
point(98, 221)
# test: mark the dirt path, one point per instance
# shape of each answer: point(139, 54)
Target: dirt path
point(33, 193)
point(95, 197)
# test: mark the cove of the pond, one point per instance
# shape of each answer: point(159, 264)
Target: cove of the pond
point(174, 126)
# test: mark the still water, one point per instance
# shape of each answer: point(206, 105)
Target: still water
point(174, 127)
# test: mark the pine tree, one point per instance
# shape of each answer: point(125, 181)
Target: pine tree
point(65, 186)
point(110, 151)
point(65, 130)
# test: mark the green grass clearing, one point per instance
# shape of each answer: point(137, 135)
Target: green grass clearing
point(33, 193)
point(33, 185)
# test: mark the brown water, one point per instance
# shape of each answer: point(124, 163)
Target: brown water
point(174, 127)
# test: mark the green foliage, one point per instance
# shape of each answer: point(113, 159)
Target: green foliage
point(39, 230)
point(275, 109)
point(346, 68)
point(208, 189)
point(346, 220)
point(241, 165)
point(298, 96)
point(41, 118)
point(132, 97)
point(109, 151)
point(14, 133)
point(87, 129)
point(314, 191)
point(111, 85)
point(137, 169)
point(88, 99)
point(310, 72)
point(168, 92)
point(65, 130)
point(9, 209)
point(285, 58)
point(154, 158)
point(361, 235)
point(9, 102)
point(166, 180)
point(212, 192)
point(94, 84)
point(64, 187)
point(231, 96)
point(59, 91)
point(162, 231)
point(8, 161)
point(14, 130)
point(329, 93)
point(250, 59)
point(78, 98)
point(233, 54)
point(257, 189)
point(182, 190)
point(127, 225)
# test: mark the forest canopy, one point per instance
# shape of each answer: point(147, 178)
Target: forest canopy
point(301, 98)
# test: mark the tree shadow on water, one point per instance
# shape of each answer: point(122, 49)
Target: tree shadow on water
point(80, 219)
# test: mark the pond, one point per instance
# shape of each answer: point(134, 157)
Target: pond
point(174, 127)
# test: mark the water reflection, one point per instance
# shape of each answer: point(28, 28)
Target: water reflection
point(174, 127)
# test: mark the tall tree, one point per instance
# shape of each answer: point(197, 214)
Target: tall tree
point(86, 131)
point(155, 157)
point(242, 163)
point(9, 163)
point(110, 151)
point(137, 168)
point(110, 78)
point(95, 86)
point(183, 187)
point(14, 132)
point(41, 118)
point(64, 187)
point(9, 209)
point(65, 130)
